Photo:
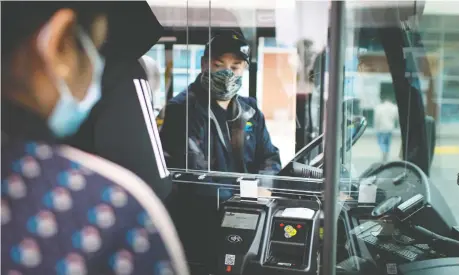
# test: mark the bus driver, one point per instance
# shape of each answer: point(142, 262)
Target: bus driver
point(239, 140)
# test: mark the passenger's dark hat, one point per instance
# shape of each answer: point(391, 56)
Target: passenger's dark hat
point(228, 42)
point(20, 19)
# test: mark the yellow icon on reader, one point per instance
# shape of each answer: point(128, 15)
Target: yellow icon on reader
point(289, 231)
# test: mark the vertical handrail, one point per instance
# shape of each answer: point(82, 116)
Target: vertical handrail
point(333, 128)
point(187, 129)
point(323, 59)
point(209, 57)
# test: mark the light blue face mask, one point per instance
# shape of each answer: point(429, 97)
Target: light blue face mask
point(69, 113)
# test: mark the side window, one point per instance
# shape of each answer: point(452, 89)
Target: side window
point(441, 40)
point(370, 95)
point(276, 93)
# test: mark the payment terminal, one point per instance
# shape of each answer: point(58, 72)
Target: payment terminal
point(268, 236)
point(241, 232)
point(291, 238)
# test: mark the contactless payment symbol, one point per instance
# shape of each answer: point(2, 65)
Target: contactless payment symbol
point(234, 239)
point(289, 231)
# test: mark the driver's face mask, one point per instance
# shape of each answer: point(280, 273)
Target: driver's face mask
point(224, 84)
point(69, 113)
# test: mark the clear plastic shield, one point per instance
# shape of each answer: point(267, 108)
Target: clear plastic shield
point(248, 97)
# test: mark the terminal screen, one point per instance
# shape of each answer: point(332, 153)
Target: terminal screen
point(240, 220)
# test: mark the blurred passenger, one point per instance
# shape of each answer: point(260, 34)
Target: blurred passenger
point(121, 127)
point(386, 116)
point(239, 140)
point(64, 211)
point(151, 68)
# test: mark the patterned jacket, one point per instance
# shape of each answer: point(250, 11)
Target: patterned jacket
point(64, 211)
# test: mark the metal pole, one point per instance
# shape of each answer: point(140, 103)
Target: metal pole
point(332, 134)
point(323, 66)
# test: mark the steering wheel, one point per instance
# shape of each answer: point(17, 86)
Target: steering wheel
point(399, 178)
point(356, 126)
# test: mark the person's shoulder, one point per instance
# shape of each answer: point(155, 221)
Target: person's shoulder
point(73, 168)
point(179, 99)
point(179, 102)
point(175, 106)
point(29, 159)
point(113, 173)
point(136, 190)
point(186, 96)
point(104, 185)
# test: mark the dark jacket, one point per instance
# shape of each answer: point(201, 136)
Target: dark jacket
point(121, 127)
point(239, 140)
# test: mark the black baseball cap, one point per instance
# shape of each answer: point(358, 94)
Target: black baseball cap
point(228, 42)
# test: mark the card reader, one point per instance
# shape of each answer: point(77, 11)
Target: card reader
point(290, 239)
point(268, 236)
point(240, 233)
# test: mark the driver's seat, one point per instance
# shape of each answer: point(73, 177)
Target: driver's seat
point(445, 266)
point(355, 266)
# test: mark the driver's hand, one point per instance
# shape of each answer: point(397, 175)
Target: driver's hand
point(263, 192)
point(344, 197)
